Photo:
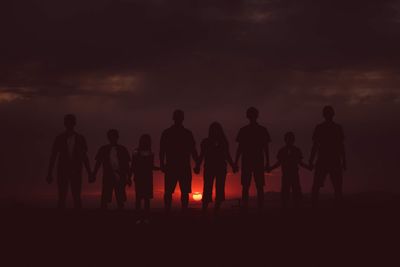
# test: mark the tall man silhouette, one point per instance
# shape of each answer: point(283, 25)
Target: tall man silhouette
point(329, 148)
point(253, 142)
point(70, 152)
point(177, 146)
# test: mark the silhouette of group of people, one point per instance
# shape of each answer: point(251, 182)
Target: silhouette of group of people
point(178, 148)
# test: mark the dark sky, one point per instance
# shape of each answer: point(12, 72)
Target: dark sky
point(128, 64)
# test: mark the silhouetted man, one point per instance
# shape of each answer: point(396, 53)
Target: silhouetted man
point(114, 158)
point(70, 152)
point(253, 142)
point(328, 146)
point(177, 146)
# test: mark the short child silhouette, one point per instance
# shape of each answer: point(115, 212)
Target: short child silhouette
point(289, 158)
point(114, 158)
point(142, 169)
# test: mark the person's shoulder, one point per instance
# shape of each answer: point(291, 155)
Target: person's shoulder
point(297, 149)
point(167, 130)
point(186, 130)
point(282, 150)
point(338, 126)
point(80, 137)
point(104, 147)
point(123, 148)
point(262, 128)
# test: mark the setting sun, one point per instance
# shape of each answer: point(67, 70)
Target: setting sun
point(197, 196)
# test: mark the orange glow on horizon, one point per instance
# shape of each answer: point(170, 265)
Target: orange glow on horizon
point(197, 196)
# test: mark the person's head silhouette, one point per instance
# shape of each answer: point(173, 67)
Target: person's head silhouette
point(328, 112)
point(113, 136)
point(69, 122)
point(216, 132)
point(289, 138)
point(252, 114)
point(145, 142)
point(178, 117)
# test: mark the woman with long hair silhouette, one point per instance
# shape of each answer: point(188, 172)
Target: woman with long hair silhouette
point(216, 155)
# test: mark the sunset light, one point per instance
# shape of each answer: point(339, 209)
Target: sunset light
point(197, 196)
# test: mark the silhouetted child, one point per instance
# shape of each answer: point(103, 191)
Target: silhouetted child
point(142, 169)
point(290, 157)
point(115, 161)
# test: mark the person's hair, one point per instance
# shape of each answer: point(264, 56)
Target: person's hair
point(252, 112)
point(70, 118)
point(216, 132)
point(289, 137)
point(113, 133)
point(328, 112)
point(145, 142)
point(178, 114)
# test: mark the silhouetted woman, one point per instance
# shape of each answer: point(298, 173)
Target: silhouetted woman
point(142, 169)
point(216, 155)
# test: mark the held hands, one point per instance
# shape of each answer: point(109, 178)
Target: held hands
point(129, 182)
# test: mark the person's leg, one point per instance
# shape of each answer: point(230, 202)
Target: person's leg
point(138, 202)
point(337, 182)
point(319, 177)
point(76, 190)
point(106, 192)
point(185, 185)
point(207, 188)
point(296, 189)
point(246, 178)
point(62, 184)
point(260, 182)
point(120, 194)
point(220, 189)
point(169, 188)
point(147, 205)
point(285, 191)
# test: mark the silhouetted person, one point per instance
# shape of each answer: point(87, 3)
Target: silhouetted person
point(215, 153)
point(289, 158)
point(328, 146)
point(115, 159)
point(70, 152)
point(142, 169)
point(253, 142)
point(177, 146)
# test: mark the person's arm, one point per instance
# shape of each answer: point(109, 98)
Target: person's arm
point(343, 152)
point(199, 159)
point(238, 155)
point(194, 153)
point(266, 152)
point(133, 165)
point(305, 166)
point(314, 148)
point(162, 153)
point(96, 169)
point(86, 159)
point(52, 161)
point(230, 160)
point(273, 167)
point(99, 161)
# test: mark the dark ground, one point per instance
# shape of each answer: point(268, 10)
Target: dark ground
point(363, 231)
